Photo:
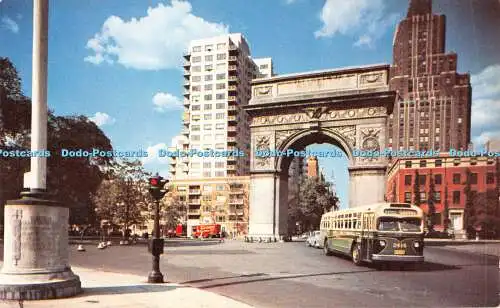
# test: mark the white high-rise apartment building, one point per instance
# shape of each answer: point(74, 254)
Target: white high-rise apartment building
point(217, 82)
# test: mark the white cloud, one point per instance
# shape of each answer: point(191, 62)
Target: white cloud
point(486, 105)
point(153, 157)
point(10, 24)
point(155, 41)
point(101, 118)
point(164, 101)
point(362, 18)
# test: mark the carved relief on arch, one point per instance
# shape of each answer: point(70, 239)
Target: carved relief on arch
point(282, 136)
point(347, 133)
point(262, 143)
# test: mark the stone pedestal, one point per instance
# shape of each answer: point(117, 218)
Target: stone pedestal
point(36, 264)
point(366, 185)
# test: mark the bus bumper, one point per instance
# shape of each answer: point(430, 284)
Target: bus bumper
point(398, 258)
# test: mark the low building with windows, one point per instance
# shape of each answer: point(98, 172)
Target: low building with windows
point(450, 175)
point(221, 200)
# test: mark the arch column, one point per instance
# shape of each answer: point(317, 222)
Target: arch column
point(269, 207)
point(366, 185)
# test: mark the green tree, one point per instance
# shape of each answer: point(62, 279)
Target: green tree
point(416, 189)
point(71, 179)
point(315, 198)
point(431, 204)
point(123, 196)
point(485, 212)
point(469, 201)
point(174, 210)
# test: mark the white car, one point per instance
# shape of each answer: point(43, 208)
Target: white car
point(314, 239)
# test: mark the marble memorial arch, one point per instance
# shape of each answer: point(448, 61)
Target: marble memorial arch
point(345, 107)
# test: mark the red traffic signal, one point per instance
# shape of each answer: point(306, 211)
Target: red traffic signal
point(153, 181)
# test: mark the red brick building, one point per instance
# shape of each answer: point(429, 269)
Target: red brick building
point(450, 177)
point(433, 98)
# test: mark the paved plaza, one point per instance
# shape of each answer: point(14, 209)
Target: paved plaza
point(279, 275)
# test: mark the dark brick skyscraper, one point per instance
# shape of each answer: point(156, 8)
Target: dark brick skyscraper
point(433, 110)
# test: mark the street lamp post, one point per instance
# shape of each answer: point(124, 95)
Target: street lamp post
point(157, 191)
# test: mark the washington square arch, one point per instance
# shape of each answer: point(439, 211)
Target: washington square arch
point(346, 107)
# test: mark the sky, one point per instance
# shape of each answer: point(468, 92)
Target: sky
point(119, 62)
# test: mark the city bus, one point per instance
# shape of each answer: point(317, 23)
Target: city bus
point(378, 233)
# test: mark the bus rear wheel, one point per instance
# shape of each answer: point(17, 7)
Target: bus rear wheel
point(326, 249)
point(356, 254)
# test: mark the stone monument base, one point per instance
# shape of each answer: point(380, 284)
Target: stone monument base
point(36, 263)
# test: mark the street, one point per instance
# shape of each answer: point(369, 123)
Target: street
point(293, 275)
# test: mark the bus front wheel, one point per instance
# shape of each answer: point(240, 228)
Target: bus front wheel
point(356, 254)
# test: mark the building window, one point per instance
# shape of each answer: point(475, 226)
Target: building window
point(207, 164)
point(196, 69)
point(207, 116)
point(490, 178)
point(219, 146)
point(473, 178)
point(423, 163)
point(263, 66)
point(438, 163)
point(209, 58)
point(456, 197)
point(208, 87)
point(219, 116)
point(219, 173)
point(437, 196)
point(196, 78)
point(408, 197)
point(456, 178)
point(437, 179)
point(196, 107)
point(219, 137)
point(209, 47)
point(220, 86)
point(220, 76)
point(220, 96)
point(220, 66)
point(407, 164)
point(195, 137)
point(219, 187)
point(221, 46)
point(207, 127)
point(209, 77)
point(195, 88)
point(196, 48)
point(421, 179)
point(220, 105)
point(423, 196)
point(221, 56)
point(195, 165)
point(196, 59)
point(209, 67)
point(195, 128)
point(207, 106)
point(219, 126)
point(207, 97)
point(219, 164)
point(408, 179)
point(207, 174)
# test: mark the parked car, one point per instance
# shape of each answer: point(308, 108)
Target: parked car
point(314, 239)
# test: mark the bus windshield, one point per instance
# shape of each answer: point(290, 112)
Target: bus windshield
point(399, 224)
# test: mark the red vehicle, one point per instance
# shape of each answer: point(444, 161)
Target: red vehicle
point(206, 231)
point(181, 230)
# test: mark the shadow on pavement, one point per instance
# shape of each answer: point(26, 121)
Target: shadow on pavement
point(133, 289)
point(275, 278)
point(424, 267)
point(222, 278)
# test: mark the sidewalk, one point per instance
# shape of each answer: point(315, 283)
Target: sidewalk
point(115, 290)
point(452, 242)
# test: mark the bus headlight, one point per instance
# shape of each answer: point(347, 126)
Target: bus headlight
point(382, 243)
point(416, 244)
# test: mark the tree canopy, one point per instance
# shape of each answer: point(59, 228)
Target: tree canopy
point(314, 199)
